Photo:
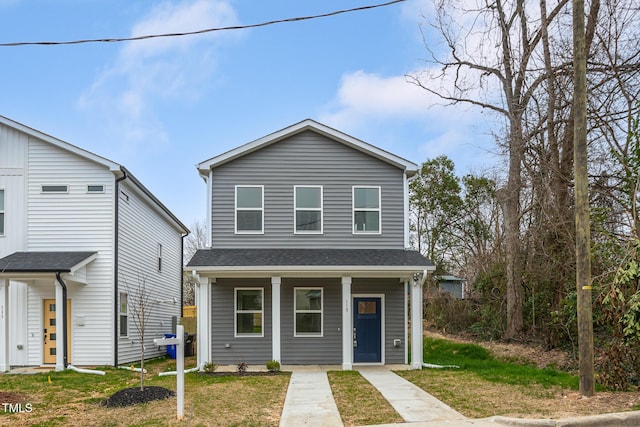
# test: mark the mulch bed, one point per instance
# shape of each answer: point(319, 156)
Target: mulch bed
point(134, 396)
point(12, 398)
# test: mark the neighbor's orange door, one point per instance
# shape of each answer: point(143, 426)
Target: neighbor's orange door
point(49, 331)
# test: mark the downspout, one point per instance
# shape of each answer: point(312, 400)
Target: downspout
point(182, 276)
point(65, 355)
point(116, 257)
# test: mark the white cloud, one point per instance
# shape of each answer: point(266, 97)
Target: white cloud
point(147, 73)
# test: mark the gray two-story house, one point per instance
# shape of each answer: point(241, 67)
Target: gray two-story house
point(308, 260)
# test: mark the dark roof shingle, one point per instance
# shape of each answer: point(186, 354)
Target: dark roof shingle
point(42, 262)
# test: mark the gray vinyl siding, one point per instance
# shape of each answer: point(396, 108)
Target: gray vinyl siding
point(307, 158)
point(251, 350)
point(312, 350)
point(395, 323)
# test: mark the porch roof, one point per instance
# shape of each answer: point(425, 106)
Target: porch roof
point(45, 262)
point(362, 260)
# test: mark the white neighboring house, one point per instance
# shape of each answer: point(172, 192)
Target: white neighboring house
point(79, 231)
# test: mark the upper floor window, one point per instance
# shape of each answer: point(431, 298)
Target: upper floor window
point(248, 312)
point(55, 188)
point(159, 257)
point(1, 212)
point(95, 188)
point(366, 210)
point(249, 209)
point(308, 209)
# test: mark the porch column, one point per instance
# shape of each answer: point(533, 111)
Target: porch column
point(4, 325)
point(203, 302)
point(275, 318)
point(347, 325)
point(416, 324)
point(61, 329)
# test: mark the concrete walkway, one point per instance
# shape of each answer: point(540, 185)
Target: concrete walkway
point(309, 401)
point(410, 401)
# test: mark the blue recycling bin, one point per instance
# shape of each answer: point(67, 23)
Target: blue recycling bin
point(171, 349)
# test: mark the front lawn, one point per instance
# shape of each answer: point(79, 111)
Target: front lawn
point(70, 398)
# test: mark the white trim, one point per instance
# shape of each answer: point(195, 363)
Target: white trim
point(95, 189)
point(407, 219)
point(302, 126)
point(61, 329)
point(49, 189)
point(236, 209)
point(125, 314)
point(275, 318)
point(416, 320)
point(405, 291)
point(235, 313)
point(3, 198)
point(347, 325)
point(203, 303)
point(296, 311)
point(4, 325)
point(209, 208)
point(353, 209)
point(296, 209)
point(382, 328)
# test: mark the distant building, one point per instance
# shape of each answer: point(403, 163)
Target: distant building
point(452, 285)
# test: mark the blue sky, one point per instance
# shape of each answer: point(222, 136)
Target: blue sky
point(160, 106)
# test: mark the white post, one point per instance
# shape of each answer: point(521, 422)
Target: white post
point(347, 325)
point(178, 341)
point(204, 321)
point(275, 318)
point(416, 324)
point(61, 330)
point(180, 370)
point(4, 325)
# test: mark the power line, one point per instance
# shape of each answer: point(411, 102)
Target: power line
point(207, 30)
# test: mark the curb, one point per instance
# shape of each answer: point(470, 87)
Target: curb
point(617, 419)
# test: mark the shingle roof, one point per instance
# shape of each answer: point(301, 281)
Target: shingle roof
point(308, 257)
point(43, 262)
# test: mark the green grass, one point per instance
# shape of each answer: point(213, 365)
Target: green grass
point(476, 359)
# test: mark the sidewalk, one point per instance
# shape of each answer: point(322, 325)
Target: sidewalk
point(309, 402)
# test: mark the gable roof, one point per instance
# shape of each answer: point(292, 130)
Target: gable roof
point(45, 262)
point(308, 124)
point(118, 170)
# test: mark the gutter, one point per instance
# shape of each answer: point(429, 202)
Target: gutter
point(116, 265)
point(65, 357)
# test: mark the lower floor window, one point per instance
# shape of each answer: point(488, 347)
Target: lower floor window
point(308, 312)
point(249, 313)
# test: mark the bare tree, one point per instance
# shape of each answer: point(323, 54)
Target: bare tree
point(139, 304)
point(197, 239)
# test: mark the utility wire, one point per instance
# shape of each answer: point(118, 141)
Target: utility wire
point(208, 30)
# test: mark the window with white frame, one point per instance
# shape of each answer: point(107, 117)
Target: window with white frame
point(55, 188)
point(249, 313)
point(308, 209)
point(1, 212)
point(249, 209)
point(366, 210)
point(124, 314)
point(308, 312)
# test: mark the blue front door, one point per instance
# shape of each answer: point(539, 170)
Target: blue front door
point(367, 330)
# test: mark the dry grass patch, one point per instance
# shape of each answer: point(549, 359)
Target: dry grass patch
point(359, 402)
point(73, 399)
point(475, 397)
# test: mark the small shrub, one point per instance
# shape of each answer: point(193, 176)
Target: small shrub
point(242, 367)
point(273, 366)
point(210, 367)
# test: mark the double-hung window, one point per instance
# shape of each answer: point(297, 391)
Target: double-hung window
point(308, 209)
point(308, 312)
point(1, 212)
point(124, 315)
point(366, 210)
point(249, 313)
point(249, 209)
